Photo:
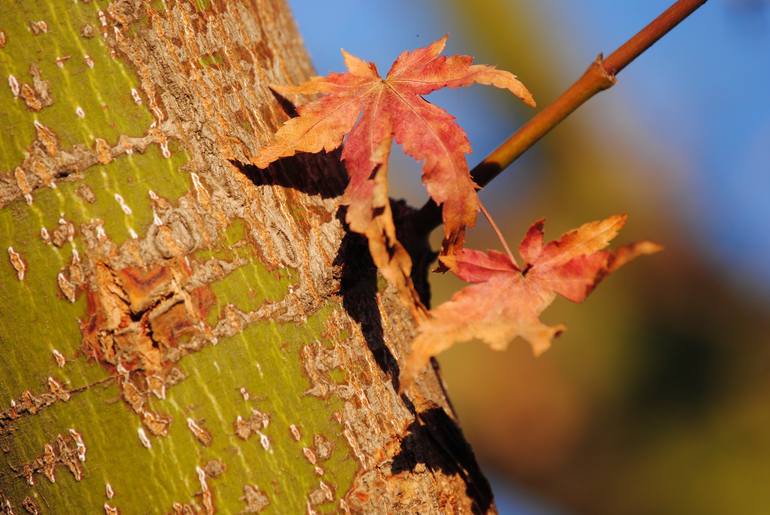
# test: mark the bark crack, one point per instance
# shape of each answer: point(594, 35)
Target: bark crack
point(45, 162)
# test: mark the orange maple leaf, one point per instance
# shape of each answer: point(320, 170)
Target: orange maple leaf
point(506, 300)
point(372, 110)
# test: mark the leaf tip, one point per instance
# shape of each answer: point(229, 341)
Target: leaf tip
point(631, 251)
point(529, 100)
point(438, 46)
point(542, 342)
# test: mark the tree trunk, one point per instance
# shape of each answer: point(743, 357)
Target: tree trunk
point(179, 332)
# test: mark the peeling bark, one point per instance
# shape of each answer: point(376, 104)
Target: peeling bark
point(147, 255)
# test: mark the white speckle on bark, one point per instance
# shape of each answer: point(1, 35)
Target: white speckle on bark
point(61, 60)
point(200, 190)
point(59, 357)
point(38, 27)
point(202, 478)
point(244, 393)
point(102, 18)
point(132, 233)
point(201, 434)
point(295, 432)
point(14, 84)
point(125, 207)
point(135, 96)
point(66, 287)
point(17, 263)
point(143, 438)
point(110, 510)
point(79, 111)
point(109, 491)
point(309, 454)
point(44, 235)
point(164, 150)
point(265, 441)
point(89, 61)
point(79, 444)
point(122, 370)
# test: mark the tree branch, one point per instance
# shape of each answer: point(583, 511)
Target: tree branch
point(599, 76)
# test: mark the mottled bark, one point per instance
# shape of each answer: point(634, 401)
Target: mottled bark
point(180, 332)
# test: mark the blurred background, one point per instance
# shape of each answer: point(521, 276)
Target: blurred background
point(657, 398)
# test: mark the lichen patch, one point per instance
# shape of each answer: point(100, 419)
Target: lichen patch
point(30, 506)
point(322, 494)
point(201, 433)
point(29, 403)
point(63, 452)
point(17, 263)
point(59, 358)
point(256, 421)
point(38, 27)
point(37, 95)
point(294, 430)
point(254, 499)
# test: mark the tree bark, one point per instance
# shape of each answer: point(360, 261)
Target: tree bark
point(180, 332)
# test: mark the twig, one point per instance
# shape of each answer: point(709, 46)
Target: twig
point(599, 76)
point(498, 232)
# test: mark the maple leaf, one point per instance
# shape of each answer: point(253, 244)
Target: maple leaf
point(371, 111)
point(506, 300)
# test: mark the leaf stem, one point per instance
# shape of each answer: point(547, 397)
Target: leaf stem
point(599, 76)
point(498, 232)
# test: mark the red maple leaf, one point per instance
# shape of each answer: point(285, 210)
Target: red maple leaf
point(506, 300)
point(373, 110)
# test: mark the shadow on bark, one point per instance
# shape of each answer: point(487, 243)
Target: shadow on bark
point(315, 174)
point(448, 452)
point(323, 174)
point(358, 288)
